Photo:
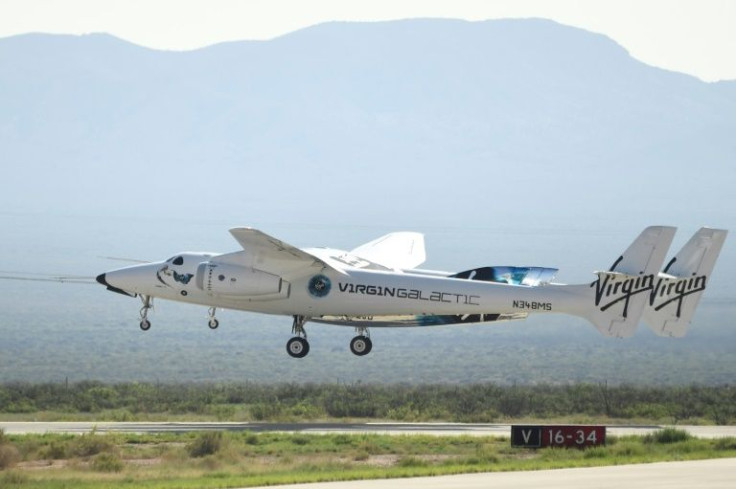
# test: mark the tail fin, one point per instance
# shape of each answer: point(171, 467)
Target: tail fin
point(678, 288)
point(621, 293)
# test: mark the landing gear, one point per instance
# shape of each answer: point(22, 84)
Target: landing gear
point(145, 324)
point(298, 346)
point(213, 322)
point(361, 344)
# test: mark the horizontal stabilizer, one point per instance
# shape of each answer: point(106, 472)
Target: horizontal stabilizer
point(677, 290)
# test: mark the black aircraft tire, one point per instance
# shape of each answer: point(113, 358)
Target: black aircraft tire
point(297, 347)
point(361, 345)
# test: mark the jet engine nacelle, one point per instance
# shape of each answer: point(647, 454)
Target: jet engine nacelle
point(226, 279)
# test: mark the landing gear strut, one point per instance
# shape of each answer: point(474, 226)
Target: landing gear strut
point(213, 323)
point(361, 344)
point(298, 346)
point(145, 324)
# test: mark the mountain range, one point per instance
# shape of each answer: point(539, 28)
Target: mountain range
point(407, 121)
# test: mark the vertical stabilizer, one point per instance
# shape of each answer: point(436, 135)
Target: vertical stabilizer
point(621, 293)
point(677, 290)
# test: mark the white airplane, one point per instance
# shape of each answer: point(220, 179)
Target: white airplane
point(378, 285)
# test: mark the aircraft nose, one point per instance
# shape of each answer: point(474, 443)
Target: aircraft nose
point(101, 280)
point(123, 281)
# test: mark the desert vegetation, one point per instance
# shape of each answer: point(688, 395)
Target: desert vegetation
point(303, 402)
point(239, 459)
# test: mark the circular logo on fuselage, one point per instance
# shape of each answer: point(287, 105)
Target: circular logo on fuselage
point(319, 286)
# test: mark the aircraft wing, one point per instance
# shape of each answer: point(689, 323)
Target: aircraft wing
point(398, 251)
point(267, 253)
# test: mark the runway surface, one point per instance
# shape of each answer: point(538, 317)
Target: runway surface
point(703, 474)
point(503, 430)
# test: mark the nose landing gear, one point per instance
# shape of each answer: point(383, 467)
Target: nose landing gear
point(213, 322)
point(145, 324)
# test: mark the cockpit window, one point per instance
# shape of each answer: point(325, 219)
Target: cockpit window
point(178, 260)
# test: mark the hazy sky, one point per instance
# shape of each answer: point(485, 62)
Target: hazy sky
point(692, 36)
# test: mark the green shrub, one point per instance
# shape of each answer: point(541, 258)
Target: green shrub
point(207, 443)
point(595, 452)
point(628, 449)
point(89, 445)
point(265, 411)
point(209, 463)
point(369, 446)
point(300, 440)
point(222, 412)
point(361, 456)
point(55, 451)
point(251, 439)
point(13, 478)
point(411, 461)
point(9, 456)
point(561, 453)
point(342, 440)
point(107, 462)
point(668, 435)
point(483, 456)
point(121, 415)
point(305, 410)
point(726, 444)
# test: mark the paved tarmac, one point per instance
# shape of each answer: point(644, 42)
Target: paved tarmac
point(23, 427)
point(700, 474)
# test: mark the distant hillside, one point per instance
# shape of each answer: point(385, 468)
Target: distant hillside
point(513, 117)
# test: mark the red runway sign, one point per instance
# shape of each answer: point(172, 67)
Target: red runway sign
point(557, 436)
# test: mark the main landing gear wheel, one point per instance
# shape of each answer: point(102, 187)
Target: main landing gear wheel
point(297, 347)
point(145, 324)
point(361, 345)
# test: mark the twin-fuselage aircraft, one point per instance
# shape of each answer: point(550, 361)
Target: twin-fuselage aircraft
point(378, 284)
